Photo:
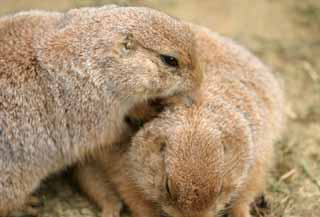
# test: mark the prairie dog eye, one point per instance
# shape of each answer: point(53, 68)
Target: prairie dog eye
point(162, 146)
point(220, 190)
point(170, 60)
point(167, 187)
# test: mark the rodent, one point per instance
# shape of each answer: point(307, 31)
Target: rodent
point(201, 156)
point(67, 81)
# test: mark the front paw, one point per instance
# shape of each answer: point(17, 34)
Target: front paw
point(112, 211)
point(30, 208)
point(241, 211)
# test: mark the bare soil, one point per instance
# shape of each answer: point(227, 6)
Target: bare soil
point(286, 35)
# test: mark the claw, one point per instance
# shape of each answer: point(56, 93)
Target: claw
point(110, 214)
point(31, 208)
point(112, 211)
point(34, 201)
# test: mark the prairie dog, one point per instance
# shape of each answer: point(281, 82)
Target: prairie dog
point(67, 81)
point(198, 157)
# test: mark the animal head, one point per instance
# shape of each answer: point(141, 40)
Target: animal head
point(187, 163)
point(133, 51)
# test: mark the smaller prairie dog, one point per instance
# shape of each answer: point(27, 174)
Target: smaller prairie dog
point(197, 158)
point(67, 80)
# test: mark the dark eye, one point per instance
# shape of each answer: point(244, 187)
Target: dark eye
point(220, 190)
point(167, 187)
point(162, 146)
point(169, 60)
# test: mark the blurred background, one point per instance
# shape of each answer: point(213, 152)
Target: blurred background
point(283, 33)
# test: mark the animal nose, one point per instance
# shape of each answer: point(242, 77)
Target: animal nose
point(190, 99)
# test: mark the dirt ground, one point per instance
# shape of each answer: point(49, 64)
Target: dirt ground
point(286, 35)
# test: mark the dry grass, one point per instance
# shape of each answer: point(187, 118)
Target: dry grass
point(286, 35)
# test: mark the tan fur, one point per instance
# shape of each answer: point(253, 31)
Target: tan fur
point(68, 79)
point(198, 157)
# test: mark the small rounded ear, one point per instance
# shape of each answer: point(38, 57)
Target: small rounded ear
point(128, 43)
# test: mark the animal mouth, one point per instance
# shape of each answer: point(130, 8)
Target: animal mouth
point(158, 104)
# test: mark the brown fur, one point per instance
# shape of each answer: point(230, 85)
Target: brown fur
point(68, 79)
point(196, 158)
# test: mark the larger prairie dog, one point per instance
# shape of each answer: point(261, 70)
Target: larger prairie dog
point(68, 79)
point(197, 158)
